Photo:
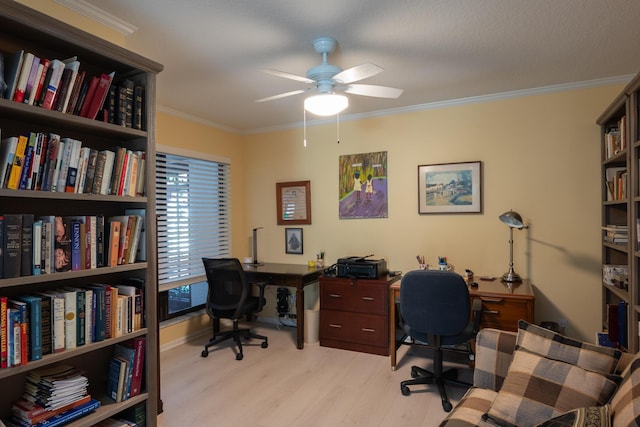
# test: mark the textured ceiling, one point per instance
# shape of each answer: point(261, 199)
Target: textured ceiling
point(436, 50)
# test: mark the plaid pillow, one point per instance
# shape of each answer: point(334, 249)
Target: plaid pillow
point(537, 388)
point(625, 404)
point(551, 345)
point(593, 416)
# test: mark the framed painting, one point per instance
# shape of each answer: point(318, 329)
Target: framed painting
point(293, 201)
point(363, 185)
point(293, 241)
point(450, 188)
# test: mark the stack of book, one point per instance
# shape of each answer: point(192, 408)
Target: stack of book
point(615, 275)
point(52, 396)
point(616, 234)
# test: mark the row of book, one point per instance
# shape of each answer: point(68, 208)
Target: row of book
point(53, 321)
point(46, 162)
point(615, 138)
point(62, 86)
point(616, 331)
point(125, 370)
point(616, 183)
point(616, 234)
point(52, 396)
point(33, 245)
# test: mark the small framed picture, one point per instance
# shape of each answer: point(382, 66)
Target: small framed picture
point(450, 188)
point(293, 241)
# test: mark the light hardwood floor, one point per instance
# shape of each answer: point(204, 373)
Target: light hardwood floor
point(283, 386)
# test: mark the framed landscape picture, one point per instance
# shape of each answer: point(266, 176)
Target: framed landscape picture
point(450, 188)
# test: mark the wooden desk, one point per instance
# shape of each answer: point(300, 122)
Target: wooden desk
point(289, 275)
point(502, 307)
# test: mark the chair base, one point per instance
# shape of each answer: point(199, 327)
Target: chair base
point(236, 333)
point(438, 377)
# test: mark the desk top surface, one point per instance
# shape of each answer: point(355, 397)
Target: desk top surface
point(287, 269)
point(496, 287)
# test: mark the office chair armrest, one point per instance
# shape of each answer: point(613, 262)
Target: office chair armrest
point(261, 286)
point(476, 309)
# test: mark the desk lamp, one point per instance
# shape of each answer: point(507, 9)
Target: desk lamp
point(513, 220)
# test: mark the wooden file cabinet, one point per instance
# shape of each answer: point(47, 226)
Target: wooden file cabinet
point(354, 314)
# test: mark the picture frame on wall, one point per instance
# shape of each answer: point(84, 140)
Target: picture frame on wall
point(293, 201)
point(293, 243)
point(450, 188)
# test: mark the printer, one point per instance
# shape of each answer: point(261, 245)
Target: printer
point(361, 267)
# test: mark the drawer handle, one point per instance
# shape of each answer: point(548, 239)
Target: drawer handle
point(491, 300)
point(333, 325)
point(335, 295)
point(368, 298)
point(490, 312)
point(368, 330)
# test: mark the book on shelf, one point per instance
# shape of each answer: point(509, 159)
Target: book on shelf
point(23, 77)
point(43, 71)
point(18, 345)
point(57, 68)
point(128, 353)
point(615, 275)
point(58, 338)
point(46, 318)
point(36, 265)
point(138, 107)
point(70, 314)
point(117, 378)
point(18, 159)
point(34, 413)
point(4, 335)
point(96, 101)
point(34, 329)
point(138, 248)
point(12, 253)
point(616, 183)
point(1, 246)
point(59, 419)
point(12, 66)
point(26, 245)
point(27, 164)
point(62, 248)
point(30, 88)
point(7, 153)
point(75, 92)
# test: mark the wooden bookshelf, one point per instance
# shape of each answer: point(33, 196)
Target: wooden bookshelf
point(32, 31)
point(622, 116)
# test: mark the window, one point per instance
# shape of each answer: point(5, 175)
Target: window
point(193, 211)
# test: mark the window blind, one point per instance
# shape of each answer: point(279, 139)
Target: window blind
point(193, 211)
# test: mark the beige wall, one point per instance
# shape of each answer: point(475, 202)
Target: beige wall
point(540, 157)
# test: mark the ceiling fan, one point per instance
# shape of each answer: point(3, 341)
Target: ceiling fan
point(326, 79)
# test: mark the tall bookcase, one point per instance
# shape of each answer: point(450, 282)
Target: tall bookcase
point(620, 172)
point(24, 28)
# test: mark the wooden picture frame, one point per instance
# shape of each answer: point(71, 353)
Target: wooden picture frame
point(293, 202)
point(293, 243)
point(450, 188)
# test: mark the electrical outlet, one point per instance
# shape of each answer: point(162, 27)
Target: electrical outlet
point(562, 323)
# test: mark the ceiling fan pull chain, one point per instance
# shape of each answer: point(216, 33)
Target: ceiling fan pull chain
point(304, 126)
point(338, 127)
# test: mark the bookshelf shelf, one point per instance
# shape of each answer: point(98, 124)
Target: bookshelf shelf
point(619, 123)
point(22, 28)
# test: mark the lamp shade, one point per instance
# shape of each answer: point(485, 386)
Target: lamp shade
point(326, 104)
point(512, 219)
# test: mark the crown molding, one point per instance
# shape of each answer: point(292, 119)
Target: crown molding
point(99, 15)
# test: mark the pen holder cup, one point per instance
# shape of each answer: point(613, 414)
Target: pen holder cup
point(320, 262)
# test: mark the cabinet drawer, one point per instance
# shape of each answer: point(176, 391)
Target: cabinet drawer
point(354, 327)
point(355, 296)
point(504, 313)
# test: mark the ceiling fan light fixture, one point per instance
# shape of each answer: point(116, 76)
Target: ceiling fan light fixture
point(326, 104)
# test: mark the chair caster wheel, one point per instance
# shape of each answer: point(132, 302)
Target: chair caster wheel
point(447, 406)
point(264, 344)
point(204, 353)
point(405, 390)
point(414, 373)
point(239, 356)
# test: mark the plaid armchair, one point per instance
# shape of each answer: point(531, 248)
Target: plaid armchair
point(536, 377)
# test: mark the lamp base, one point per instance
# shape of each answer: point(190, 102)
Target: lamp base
point(511, 276)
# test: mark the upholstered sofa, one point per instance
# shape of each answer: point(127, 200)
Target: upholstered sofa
point(536, 377)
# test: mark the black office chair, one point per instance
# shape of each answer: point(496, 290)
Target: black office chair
point(436, 310)
point(229, 297)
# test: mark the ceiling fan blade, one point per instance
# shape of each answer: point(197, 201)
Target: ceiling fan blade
point(282, 95)
point(373, 90)
point(359, 72)
point(289, 76)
